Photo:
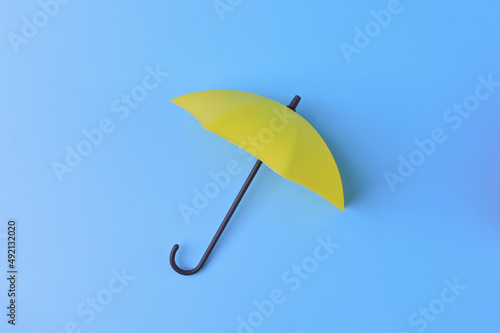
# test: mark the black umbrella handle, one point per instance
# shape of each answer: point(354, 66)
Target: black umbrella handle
point(293, 104)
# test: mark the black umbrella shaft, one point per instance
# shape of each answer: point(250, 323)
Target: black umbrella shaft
point(244, 188)
point(293, 105)
point(231, 211)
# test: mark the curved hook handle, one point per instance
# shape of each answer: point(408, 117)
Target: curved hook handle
point(183, 271)
point(224, 223)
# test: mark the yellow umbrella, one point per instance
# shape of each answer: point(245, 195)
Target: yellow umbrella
point(273, 133)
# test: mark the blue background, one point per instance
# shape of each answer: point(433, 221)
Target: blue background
point(118, 210)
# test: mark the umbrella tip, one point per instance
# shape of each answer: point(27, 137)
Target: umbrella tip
point(295, 101)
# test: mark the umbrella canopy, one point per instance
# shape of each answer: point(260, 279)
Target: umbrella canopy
point(273, 133)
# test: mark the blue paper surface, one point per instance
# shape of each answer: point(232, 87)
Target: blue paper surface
point(103, 175)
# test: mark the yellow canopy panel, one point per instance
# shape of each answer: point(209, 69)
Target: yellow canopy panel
point(273, 133)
